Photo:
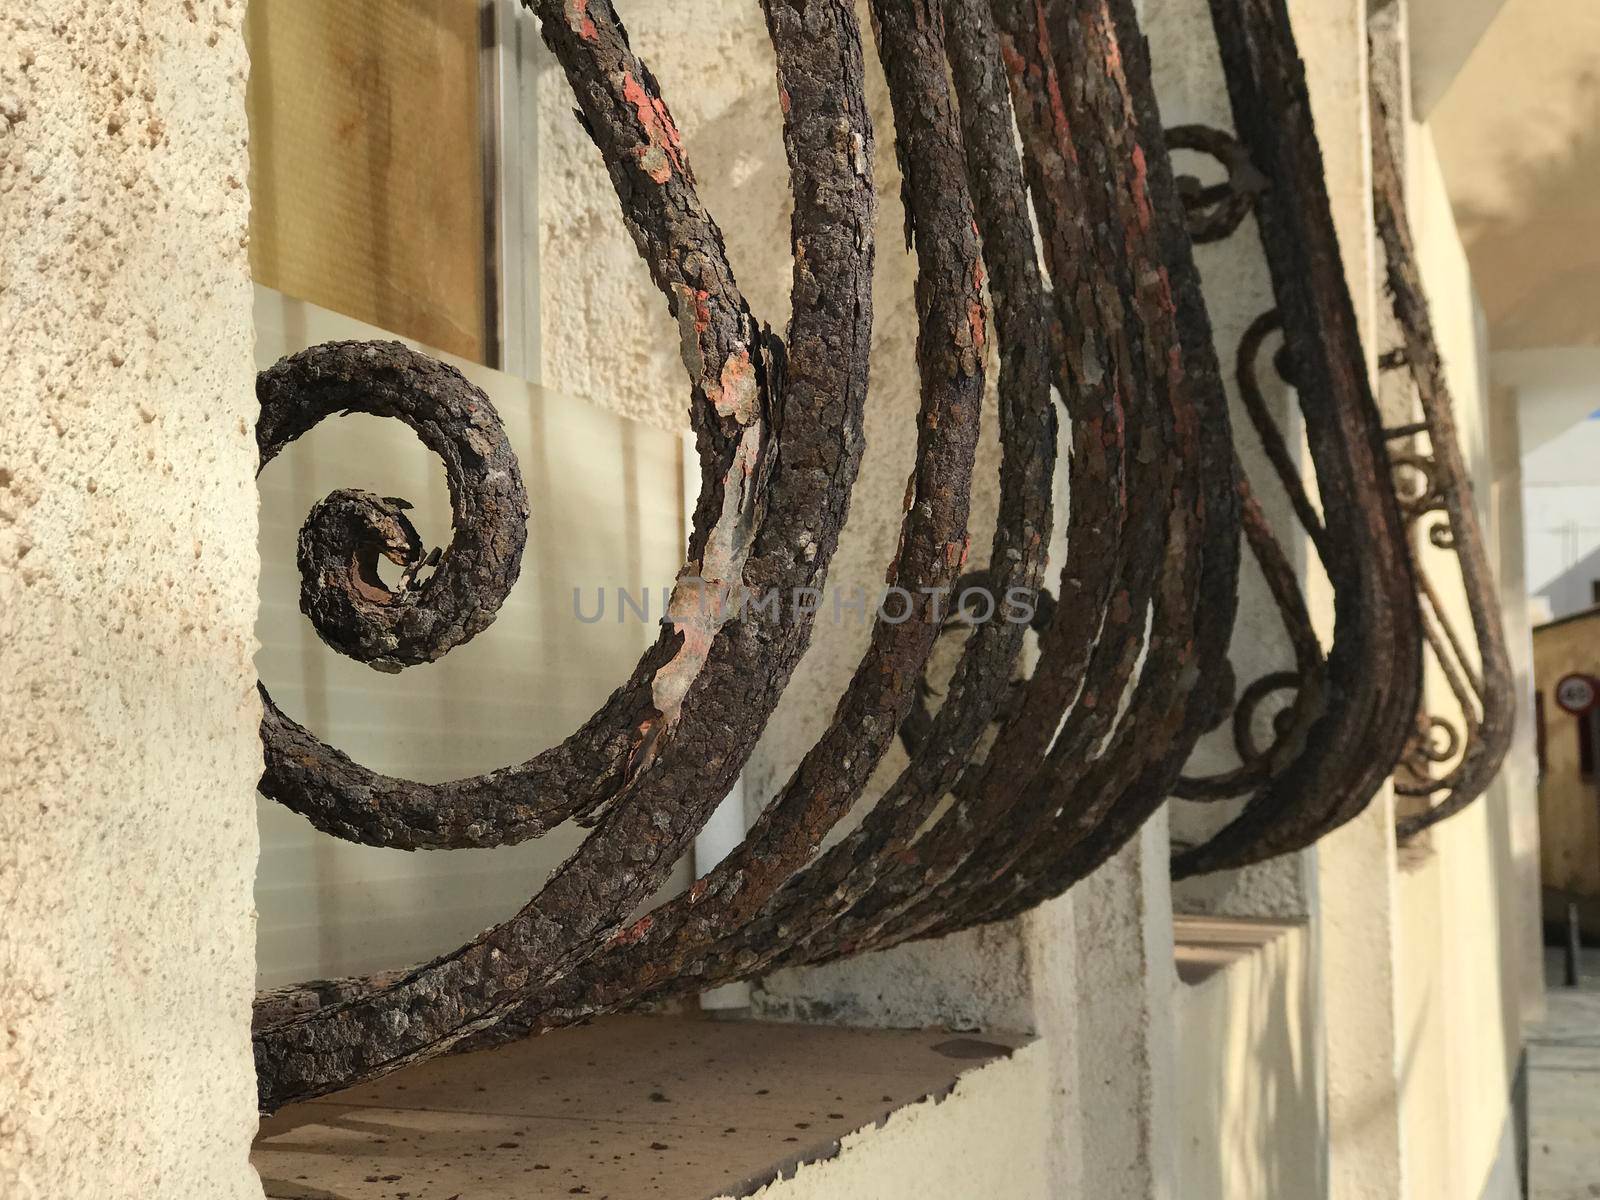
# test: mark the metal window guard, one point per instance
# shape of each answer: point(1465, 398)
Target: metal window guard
point(1133, 645)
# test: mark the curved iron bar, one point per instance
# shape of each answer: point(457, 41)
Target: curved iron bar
point(876, 886)
point(1485, 696)
point(996, 846)
point(1306, 680)
point(1374, 667)
point(723, 928)
point(1036, 614)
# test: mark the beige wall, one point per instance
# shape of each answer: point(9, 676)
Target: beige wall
point(127, 598)
point(1249, 1092)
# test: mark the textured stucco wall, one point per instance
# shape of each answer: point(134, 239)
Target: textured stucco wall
point(127, 597)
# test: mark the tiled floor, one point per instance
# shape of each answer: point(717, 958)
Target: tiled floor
point(635, 1107)
point(1564, 1089)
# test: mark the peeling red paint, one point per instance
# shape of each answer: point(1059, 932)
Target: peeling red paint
point(662, 152)
point(1141, 189)
point(1052, 85)
point(579, 21)
point(1108, 39)
point(1015, 63)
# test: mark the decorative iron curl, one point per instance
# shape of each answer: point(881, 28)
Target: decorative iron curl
point(1174, 541)
point(667, 745)
point(1265, 83)
point(1215, 210)
point(1483, 692)
point(446, 597)
point(1307, 681)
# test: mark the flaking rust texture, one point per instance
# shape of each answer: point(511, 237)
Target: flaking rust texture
point(1037, 181)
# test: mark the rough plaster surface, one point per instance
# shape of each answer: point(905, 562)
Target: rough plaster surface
point(127, 598)
point(977, 979)
point(1125, 1048)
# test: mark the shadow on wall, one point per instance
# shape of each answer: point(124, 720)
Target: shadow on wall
point(1251, 1124)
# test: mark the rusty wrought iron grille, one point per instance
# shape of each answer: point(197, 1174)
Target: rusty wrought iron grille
point(1075, 255)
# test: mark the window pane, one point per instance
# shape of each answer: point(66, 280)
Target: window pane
point(366, 162)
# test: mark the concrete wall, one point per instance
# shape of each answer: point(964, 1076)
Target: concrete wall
point(127, 600)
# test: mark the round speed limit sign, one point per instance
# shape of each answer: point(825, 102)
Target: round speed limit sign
point(1577, 693)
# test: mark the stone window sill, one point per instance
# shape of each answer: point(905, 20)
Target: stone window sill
point(677, 1108)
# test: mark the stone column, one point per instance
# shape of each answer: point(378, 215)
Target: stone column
point(128, 740)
